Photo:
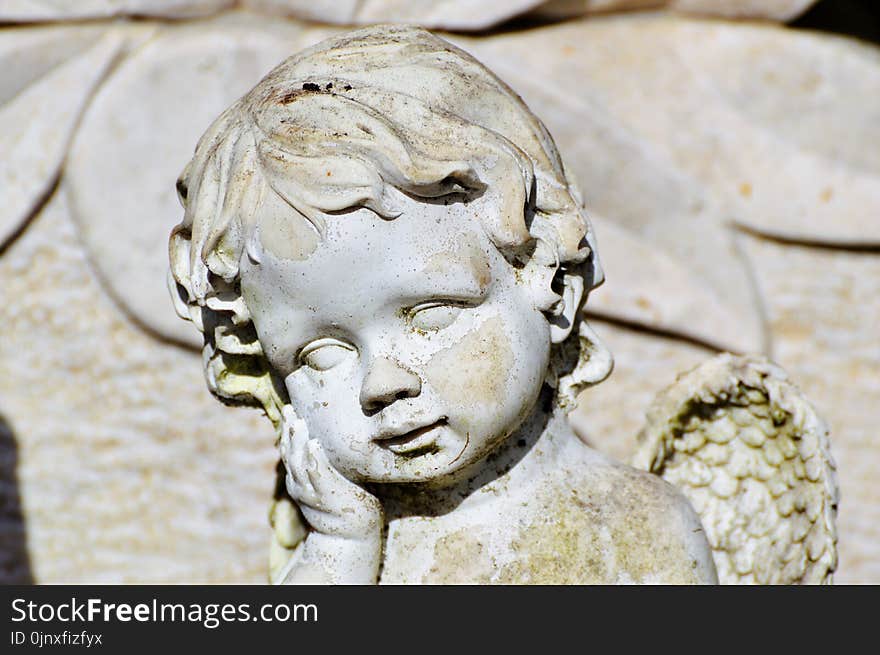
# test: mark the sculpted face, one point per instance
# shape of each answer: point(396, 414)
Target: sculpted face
point(407, 346)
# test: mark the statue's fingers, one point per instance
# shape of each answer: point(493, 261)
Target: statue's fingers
point(325, 479)
point(298, 454)
point(297, 467)
point(303, 495)
point(289, 430)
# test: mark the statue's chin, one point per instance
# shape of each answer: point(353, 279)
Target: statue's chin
point(436, 469)
point(445, 468)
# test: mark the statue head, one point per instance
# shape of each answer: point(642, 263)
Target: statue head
point(382, 237)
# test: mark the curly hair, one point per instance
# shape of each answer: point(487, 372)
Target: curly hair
point(329, 130)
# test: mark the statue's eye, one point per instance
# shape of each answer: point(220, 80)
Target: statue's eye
point(324, 353)
point(434, 315)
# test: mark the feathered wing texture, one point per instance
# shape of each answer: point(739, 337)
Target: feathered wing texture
point(753, 458)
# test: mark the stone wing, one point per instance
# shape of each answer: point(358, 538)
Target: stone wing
point(753, 458)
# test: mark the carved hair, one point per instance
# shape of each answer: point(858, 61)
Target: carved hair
point(329, 130)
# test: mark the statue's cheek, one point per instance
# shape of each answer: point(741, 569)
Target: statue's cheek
point(474, 373)
point(321, 398)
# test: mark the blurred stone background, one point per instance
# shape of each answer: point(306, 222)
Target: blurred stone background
point(729, 154)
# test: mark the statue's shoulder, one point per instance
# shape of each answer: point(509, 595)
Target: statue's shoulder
point(615, 523)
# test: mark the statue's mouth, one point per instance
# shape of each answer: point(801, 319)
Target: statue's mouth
point(418, 441)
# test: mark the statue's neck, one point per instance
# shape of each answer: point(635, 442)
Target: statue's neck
point(521, 459)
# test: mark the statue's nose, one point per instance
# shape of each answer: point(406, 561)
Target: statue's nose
point(386, 381)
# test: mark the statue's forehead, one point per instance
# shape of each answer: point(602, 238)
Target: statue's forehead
point(361, 259)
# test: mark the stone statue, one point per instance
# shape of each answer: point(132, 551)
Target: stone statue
point(384, 252)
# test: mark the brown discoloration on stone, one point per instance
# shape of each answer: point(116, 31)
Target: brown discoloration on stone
point(466, 250)
point(595, 522)
point(284, 232)
point(620, 527)
point(460, 558)
point(286, 97)
point(476, 368)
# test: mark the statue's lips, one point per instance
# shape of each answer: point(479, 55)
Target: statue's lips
point(413, 441)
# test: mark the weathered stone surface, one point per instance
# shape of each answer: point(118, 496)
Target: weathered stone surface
point(26, 11)
point(349, 227)
point(822, 326)
point(822, 311)
point(127, 470)
point(51, 75)
point(462, 15)
point(638, 289)
point(610, 415)
point(708, 122)
point(137, 136)
point(721, 434)
point(692, 182)
point(673, 207)
point(819, 302)
point(625, 175)
point(771, 9)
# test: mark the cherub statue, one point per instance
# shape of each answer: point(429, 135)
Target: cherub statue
point(384, 252)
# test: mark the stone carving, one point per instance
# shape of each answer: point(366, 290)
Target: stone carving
point(462, 15)
point(446, 14)
point(46, 10)
point(32, 156)
point(754, 459)
point(206, 70)
point(755, 147)
point(679, 205)
point(154, 441)
point(384, 252)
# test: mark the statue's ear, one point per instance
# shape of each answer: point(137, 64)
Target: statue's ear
point(562, 322)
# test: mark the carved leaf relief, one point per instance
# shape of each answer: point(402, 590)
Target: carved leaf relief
point(135, 140)
point(49, 76)
point(465, 16)
point(59, 10)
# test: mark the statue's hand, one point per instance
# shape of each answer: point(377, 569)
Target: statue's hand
point(331, 504)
